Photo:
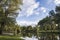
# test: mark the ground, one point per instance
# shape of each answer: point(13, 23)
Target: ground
point(2, 37)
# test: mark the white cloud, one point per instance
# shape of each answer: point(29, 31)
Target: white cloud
point(40, 10)
point(26, 23)
point(37, 13)
point(43, 9)
point(28, 7)
point(30, 10)
point(57, 2)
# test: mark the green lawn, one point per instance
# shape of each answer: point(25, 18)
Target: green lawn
point(9, 38)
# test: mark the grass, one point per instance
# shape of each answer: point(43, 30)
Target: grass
point(9, 38)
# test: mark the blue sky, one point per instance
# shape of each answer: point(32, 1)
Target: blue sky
point(35, 10)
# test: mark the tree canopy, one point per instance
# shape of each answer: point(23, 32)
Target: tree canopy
point(8, 12)
point(52, 19)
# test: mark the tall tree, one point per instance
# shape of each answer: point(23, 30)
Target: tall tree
point(57, 16)
point(8, 12)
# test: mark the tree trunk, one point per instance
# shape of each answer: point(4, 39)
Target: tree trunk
point(0, 31)
point(1, 28)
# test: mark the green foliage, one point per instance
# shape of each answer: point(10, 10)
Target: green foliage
point(49, 23)
point(44, 20)
point(57, 9)
point(9, 38)
point(8, 12)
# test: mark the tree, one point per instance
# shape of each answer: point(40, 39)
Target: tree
point(29, 28)
point(44, 21)
point(8, 12)
point(50, 24)
point(51, 13)
point(57, 16)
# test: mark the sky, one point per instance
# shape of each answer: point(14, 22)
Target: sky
point(32, 11)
